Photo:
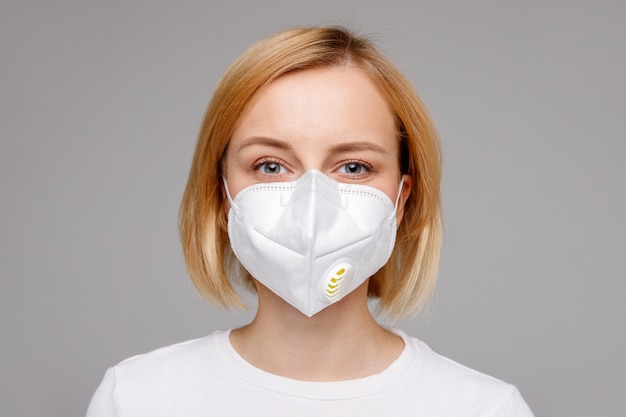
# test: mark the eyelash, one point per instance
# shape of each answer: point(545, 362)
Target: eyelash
point(366, 167)
point(267, 161)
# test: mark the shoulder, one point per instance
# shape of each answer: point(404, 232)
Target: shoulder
point(441, 369)
point(179, 356)
point(155, 380)
point(461, 388)
point(179, 365)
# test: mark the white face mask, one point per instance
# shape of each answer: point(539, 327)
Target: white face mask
point(314, 240)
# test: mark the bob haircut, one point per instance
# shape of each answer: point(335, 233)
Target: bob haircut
point(404, 285)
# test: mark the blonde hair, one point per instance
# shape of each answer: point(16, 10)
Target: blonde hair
point(405, 283)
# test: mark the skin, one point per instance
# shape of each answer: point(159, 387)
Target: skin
point(336, 121)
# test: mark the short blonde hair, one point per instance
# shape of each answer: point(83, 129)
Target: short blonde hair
point(405, 283)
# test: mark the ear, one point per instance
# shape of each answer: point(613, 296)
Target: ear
point(405, 192)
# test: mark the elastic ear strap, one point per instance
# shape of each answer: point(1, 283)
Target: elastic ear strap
point(230, 199)
point(399, 192)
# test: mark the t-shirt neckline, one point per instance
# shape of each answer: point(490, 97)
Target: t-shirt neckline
point(404, 365)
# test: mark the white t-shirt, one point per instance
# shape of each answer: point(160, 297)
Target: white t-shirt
point(206, 377)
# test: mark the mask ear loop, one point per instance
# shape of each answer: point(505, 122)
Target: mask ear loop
point(399, 193)
point(230, 199)
point(395, 206)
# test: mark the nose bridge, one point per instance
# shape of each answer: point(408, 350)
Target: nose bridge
point(311, 149)
point(312, 163)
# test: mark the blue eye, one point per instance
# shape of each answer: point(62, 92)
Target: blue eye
point(353, 168)
point(271, 168)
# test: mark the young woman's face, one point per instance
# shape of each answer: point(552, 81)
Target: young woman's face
point(332, 119)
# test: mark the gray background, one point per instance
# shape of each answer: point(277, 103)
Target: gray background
point(100, 104)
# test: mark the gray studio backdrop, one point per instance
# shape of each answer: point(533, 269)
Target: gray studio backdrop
point(100, 104)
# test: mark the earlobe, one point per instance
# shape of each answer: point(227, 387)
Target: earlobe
point(405, 192)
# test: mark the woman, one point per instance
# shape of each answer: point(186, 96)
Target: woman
point(315, 181)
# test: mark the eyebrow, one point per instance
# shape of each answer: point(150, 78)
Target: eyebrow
point(357, 146)
point(339, 148)
point(261, 140)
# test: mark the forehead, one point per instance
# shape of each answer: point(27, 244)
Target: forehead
point(340, 102)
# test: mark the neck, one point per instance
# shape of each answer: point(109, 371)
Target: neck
point(340, 342)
